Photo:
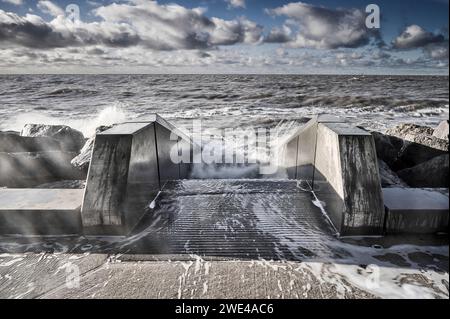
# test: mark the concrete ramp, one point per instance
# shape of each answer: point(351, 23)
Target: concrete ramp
point(234, 219)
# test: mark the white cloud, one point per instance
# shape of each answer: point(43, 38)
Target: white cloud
point(324, 28)
point(414, 37)
point(279, 35)
point(236, 3)
point(139, 22)
point(50, 8)
point(437, 51)
point(171, 27)
point(14, 2)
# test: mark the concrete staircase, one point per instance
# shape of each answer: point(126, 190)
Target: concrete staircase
point(131, 166)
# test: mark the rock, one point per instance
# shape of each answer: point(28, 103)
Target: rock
point(82, 160)
point(433, 173)
point(419, 145)
point(30, 169)
point(422, 135)
point(71, 139)
point(441, 131)
point(13, 143)
point(388, 177)
point(66, 184)
point(413, 154)
point(388, 147)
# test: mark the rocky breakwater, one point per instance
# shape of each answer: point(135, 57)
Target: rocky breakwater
point(414, 156)
point(39, 154)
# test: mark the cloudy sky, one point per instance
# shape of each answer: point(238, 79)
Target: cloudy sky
point(222, 36)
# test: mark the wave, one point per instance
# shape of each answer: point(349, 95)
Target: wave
point(107, 116)
point(71, 92)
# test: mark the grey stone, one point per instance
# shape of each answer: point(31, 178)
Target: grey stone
point(12, 143)
point(413, 154)
point(82, 160)
point(419, 145)
point(388, 147)
point(413, 210)
point(422, 135)
point(40, 211)
point(31, 169)
point(441, 131)
point(71, 139)
point(433, 173)
point(388, 177)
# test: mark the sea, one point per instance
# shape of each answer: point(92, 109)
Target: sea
point(85, 102)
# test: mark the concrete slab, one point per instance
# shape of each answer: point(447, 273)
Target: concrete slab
point(40, 211)
point(346, 129)
point(200, 279)
point(415, 210)
point(125, 128)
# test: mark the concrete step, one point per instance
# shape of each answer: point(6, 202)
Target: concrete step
point(415, 210)
point(40, 211)
point(231, 218)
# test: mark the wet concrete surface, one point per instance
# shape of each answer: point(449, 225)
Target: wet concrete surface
point(226, 239)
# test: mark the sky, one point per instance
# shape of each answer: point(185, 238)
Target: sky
point(224, 36)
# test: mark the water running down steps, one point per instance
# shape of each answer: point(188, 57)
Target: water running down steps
point(235, 219)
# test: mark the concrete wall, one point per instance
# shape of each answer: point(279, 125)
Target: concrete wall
point(415, 210)
point(40, 211)
point(340, 161)
point(130, 164)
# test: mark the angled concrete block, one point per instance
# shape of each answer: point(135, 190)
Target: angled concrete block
point(40, 211)
point(130, 164)
point(415, 210)
point(339, 161)
point(119, 162)
point(346, 158)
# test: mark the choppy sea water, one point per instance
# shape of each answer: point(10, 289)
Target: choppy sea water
point(221, 101)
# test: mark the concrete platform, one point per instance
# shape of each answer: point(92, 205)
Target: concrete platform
point(40, 211)
point(415, 210)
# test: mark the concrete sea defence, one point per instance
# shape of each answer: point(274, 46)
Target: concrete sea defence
point(129, 164)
